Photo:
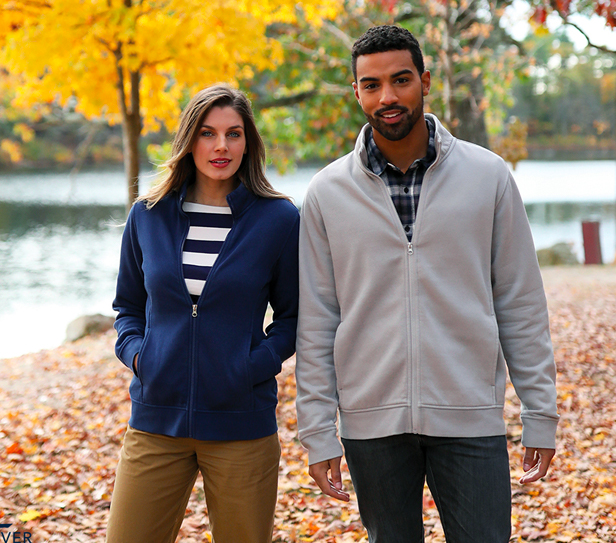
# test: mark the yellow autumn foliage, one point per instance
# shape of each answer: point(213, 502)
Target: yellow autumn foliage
point(62, 50)
point(11, 149)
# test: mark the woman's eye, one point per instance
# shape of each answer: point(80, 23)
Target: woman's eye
point(234, 134)
point(206, 133)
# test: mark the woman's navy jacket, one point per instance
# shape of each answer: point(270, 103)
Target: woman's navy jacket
point(208, 371)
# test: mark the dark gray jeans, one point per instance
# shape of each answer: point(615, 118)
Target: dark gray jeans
point(468, 478)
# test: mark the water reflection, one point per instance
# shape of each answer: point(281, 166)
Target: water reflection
point(56, 263)
point(17, 219)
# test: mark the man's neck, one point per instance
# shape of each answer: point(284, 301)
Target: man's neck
point(404, 152)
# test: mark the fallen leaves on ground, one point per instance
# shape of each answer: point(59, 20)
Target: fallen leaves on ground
point(63, 414)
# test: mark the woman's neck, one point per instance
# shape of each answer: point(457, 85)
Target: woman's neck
point(211, 193)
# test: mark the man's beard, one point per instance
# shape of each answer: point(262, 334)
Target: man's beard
point(400, 130)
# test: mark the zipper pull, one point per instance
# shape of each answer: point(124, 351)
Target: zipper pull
point(194, 313)
point(410, 248)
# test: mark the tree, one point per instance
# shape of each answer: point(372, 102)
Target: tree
point(134, 61)
point(474, 61)
point(306, 104)
point(567, 98)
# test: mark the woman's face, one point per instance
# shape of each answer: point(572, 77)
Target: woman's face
point(220, 145)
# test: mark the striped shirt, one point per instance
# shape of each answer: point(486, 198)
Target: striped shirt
point(404, 188)
point(209, 226)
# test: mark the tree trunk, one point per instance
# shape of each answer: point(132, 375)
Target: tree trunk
point(131, 130)
point(446, 54)
point(131, 127)
point(471, 120)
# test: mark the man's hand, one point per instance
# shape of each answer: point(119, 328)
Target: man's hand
point(536, 463)
point(331, 487)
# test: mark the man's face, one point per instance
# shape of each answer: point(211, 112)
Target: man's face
point(390, 91)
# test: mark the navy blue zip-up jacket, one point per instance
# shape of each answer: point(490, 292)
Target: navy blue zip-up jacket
point(207, 371)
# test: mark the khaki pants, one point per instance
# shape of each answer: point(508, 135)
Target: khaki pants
point(156, 475)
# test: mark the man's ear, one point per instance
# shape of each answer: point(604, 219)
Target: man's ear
point(426, 82)
point(356, 91)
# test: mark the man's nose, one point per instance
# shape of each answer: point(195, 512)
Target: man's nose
point(388, 95)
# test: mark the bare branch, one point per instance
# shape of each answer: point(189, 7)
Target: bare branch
point(324, 88)
point(313, 53)
point(342, 36)
point(588, 41)
point(285, 101)
point(334, 89)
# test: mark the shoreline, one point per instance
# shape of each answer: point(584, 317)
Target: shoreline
point(579, 280)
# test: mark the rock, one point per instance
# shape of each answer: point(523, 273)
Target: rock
point(87, 325)
point(557, 255)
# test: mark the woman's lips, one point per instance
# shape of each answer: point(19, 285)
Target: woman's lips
point(220, 162)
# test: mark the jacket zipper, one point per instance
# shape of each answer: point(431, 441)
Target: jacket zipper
point(193, 370)
point(413, 386)
point(194, 315)
point(414, 371)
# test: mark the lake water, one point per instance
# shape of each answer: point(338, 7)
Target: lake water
point(60, 237)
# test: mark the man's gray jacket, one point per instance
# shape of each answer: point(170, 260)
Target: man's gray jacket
point(417, 338)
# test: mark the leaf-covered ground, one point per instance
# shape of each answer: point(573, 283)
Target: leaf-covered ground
point(63, 413)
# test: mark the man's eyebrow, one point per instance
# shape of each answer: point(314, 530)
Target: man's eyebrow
point(392, 76)
point(368, 79)
point(402, 72)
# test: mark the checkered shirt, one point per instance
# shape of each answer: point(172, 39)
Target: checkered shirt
point(404, 188)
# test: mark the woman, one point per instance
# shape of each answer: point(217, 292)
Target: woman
point(203, 254)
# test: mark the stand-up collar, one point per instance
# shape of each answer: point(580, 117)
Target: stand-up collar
point(239, 200)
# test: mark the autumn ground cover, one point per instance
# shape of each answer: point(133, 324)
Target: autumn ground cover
point(63, 413)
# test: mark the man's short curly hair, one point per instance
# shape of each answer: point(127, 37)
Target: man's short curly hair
point(380, 39)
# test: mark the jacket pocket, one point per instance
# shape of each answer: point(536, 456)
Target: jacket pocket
point(224, 384)
point(164, 372)
point(461, 371)
point(136, 386)
point(141, 356)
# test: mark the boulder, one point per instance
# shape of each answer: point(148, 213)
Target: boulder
point(87, 325)
point(560, 254)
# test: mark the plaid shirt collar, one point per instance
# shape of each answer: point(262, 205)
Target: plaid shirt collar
point(378, 163)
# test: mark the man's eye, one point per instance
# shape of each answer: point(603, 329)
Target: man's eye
point(402, 80)
point(370, 86)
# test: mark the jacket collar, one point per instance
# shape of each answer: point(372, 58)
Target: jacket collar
point(239, 200)
point(443, 141)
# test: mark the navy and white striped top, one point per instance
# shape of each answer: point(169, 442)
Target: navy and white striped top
point(209, 226)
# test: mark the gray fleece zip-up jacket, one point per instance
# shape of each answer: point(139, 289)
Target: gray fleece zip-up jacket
point(417, 338)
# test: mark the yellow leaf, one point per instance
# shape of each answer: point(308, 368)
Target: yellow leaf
point(30, 514)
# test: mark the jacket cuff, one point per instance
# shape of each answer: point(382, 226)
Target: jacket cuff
point(539, 433)
point(322, 446)
point(263, 364)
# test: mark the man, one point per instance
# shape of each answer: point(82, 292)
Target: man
point(419, 289)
